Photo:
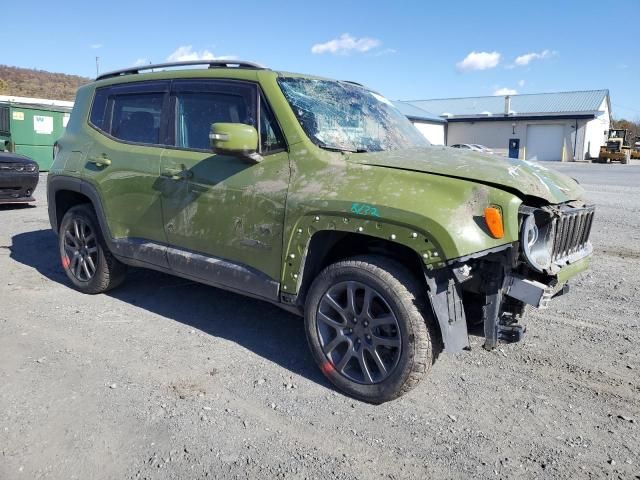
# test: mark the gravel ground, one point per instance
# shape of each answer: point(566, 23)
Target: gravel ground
point(167, 379)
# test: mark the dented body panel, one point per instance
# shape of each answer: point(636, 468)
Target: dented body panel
point(439, 218)
point(518, 176)
point(228, 208)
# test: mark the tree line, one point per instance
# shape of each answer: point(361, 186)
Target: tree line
point(27, 82)
point(631, 125)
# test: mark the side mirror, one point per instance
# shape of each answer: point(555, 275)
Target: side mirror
point(237, 139)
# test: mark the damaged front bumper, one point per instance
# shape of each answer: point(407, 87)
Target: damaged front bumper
point(532, 292)
point(492, 292)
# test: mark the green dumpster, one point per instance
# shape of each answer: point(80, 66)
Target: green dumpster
point(31, 126)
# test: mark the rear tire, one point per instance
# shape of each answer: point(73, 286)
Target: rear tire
point(85, 258)
point(369, 328)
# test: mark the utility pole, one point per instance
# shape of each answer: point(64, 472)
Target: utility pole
point(97, 66)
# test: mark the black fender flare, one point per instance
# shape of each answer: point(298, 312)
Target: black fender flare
point(58, 183)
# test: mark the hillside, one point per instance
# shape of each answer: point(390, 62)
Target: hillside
point(26, 82)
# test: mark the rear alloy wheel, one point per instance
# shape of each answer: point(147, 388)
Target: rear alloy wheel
point(85, 257)
point(368, 328)
point(81, 249)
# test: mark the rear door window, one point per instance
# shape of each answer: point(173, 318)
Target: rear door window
point(136, 117)
point(132, 112)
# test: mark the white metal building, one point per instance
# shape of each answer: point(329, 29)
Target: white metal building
point(35, 101)
point(430, 125)
point(564, 126)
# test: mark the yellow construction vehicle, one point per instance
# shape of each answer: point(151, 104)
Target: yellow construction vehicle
point(635, 151)
point(617, 147)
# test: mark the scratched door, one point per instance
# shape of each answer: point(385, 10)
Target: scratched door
point(220, 205)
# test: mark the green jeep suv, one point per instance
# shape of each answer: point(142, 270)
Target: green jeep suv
point(318, 196)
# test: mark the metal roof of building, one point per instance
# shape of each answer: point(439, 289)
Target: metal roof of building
point(35, 101)
point(560, 103)
point(413, 112)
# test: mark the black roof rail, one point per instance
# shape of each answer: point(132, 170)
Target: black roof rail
point(210, 63)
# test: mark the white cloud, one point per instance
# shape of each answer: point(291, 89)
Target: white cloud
point(521, 83)
point(478, 61)
point(345, 44)
point(386, 51)
point(527, 58)
point(141, 62)
point(95, 45)
point(186, 53)
point(505, 91)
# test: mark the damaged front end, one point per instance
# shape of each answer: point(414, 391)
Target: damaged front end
point(490, 291)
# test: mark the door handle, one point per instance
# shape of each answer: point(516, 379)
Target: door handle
point(177, 173)
point(100, 161)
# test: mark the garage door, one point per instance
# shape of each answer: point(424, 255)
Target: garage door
point(544, 142)
point(434, 132)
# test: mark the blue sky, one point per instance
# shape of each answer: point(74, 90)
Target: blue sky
point(404, 49)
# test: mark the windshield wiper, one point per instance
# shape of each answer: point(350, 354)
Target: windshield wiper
point(331, 148)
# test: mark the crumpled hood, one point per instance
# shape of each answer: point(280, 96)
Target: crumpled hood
point(525, 177)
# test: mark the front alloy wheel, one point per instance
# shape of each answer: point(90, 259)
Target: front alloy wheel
point(369, 328)
point(359, 332)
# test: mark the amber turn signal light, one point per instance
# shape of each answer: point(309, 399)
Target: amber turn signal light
point(493, 219)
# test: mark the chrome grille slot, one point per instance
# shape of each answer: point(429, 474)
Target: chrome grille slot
point(572, 230)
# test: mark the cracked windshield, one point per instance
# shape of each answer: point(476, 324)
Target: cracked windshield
point(344, 116)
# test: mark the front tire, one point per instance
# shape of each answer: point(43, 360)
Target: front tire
point(85, 258)
point(369, 329)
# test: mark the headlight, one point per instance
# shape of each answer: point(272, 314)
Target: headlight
point(537, 240)
point(18, 167)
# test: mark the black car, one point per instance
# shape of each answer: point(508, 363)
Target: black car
point(18, 178)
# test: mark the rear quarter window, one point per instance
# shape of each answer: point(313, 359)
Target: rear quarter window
point(99, 108)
